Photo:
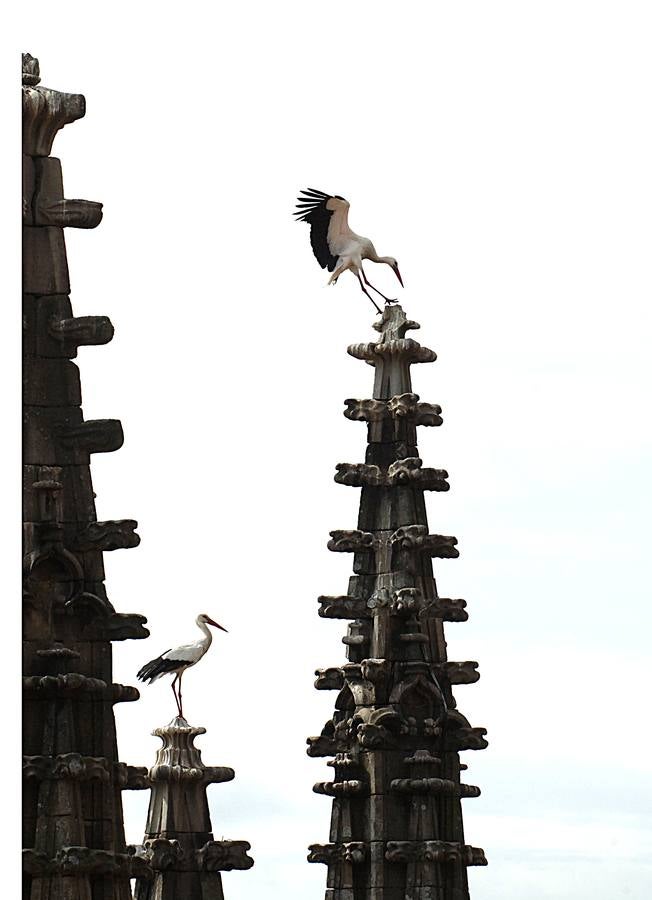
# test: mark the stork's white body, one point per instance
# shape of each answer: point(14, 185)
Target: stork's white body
point(335, 245)
point(187, 655)
point(349, 247)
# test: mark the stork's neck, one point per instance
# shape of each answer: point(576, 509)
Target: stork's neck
point(208, 637)
point(373, 256)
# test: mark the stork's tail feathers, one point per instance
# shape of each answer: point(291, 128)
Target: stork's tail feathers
point(157, 667)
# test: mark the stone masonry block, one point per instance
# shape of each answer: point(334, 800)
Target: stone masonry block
point(51, 382)
point(45, 266)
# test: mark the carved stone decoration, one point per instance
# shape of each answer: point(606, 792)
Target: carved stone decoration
point(113, 535)
point(178, 844)
point(51, 208)
point(80, 330)
point(401, 471)
point(73, 831)
point(84, 861)
point(434, 851)
point(401, 406)
point(93, 435)
point(353, 852)
point(395, 734)
point(67, 765)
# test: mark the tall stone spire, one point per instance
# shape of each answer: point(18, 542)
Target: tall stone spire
point(73, 826)
point(396, 734)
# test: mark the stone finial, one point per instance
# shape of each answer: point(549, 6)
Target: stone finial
point(178, 843)
point(31, 70)
point(394, 323)
point(45, 111)
point(393, 354)
point(179, 760)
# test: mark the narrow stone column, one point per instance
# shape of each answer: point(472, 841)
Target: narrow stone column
point(178, 843)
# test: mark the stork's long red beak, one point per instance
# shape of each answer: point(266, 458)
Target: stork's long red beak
point(216, 624)
point(398, 275)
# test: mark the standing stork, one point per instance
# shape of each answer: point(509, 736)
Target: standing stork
point(336, 247)
point(179, 659)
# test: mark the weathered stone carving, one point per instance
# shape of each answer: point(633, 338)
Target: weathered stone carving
point(161, 853)
point(339, 788)
point(450, 610)
point(94, 435)
point(365, 411)
point(405, 601)
point(224, 856)
point(45, 112)
point(466, 739)
point(416, 537)
point(112, 535)
point(80, 331)
point(67, 765)
point(99, 621)
point(354, 852)
point(407, 405)
point(329, 679)
point(434, 786)
point(409, 350)
point(58, 652)
point(395, 733)
point(408, 537)
point(49, 205)
point(401, 471)
point(178, 844)
point(83, 860)
point(50, 686)
point(434, 851)
point(402, 406)
point(460, 672)
point(405, 471)
point(343, 607)
point(351, 541)
point(131, 778)
point(124, 626)
point(322, 745)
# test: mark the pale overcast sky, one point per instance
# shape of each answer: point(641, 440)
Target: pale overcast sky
point(501, 152)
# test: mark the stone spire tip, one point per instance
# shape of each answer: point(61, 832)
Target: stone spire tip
point(394, 323)
point(31, 69)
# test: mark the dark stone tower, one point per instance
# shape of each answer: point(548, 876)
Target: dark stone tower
point(73, 826)
point(395, 737)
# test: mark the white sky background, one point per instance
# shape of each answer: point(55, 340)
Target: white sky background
point(501, 151)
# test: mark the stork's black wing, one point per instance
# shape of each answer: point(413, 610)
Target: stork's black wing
point(311, 208)
point(157, 667)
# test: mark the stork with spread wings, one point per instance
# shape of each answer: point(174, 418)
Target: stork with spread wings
point(335, 245)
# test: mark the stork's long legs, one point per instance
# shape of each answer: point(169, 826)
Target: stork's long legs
point(357, 275)
point(369, 284)
point(177, 699)
point(180, 700)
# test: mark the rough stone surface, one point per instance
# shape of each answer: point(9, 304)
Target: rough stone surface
point(73, 831)
point(395, 735)
point(178, 845)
